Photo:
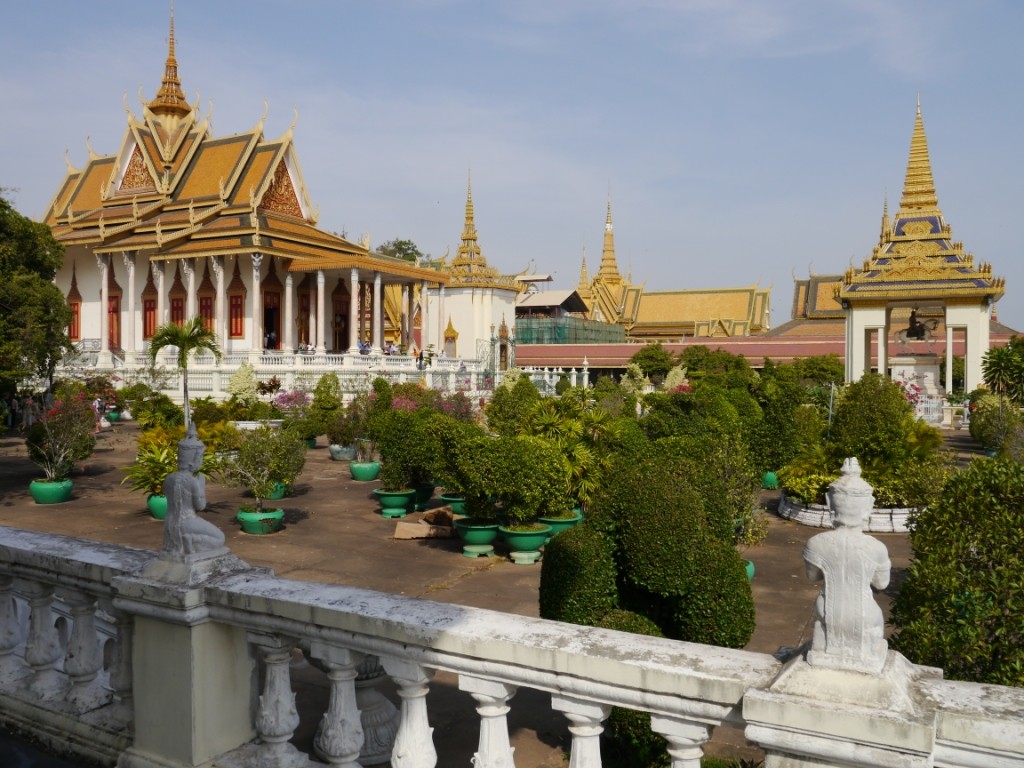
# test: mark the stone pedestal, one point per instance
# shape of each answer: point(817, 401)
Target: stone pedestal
point(921, 369)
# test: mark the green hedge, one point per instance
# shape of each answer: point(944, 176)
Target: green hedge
point(578, 577)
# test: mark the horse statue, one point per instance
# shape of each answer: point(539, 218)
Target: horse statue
point(917, 330)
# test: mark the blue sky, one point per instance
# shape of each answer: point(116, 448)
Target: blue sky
point(741, 142)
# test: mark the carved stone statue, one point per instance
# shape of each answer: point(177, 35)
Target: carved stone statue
point(184, 532)
point(848, 632)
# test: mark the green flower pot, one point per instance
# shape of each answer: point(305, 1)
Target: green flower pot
point(559, 524)
point(113, 416)
point(50, 492)
point(770, 481)
point(280, 489)
point(457, 503)
point(259, 523)
point(750, 569)
point(311, 442)
point(395, 503)
point(342, 452)
point(476, 530)
point(364, 470)
point(157, 505)
point(526, 541)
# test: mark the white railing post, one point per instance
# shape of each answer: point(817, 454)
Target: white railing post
point(276, 717)
point(11, 665)
point(493, 750)
point(380, 718)
point(83, 660)
point(585, 724)
point(685, 739)
point(414, 744)
point(43, 649)
point(120, 674)
point(339, 737)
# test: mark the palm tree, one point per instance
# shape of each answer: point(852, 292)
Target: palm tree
point(193, 336)
point(1003, 370)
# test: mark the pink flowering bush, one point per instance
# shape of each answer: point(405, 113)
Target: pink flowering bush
point(293, 400)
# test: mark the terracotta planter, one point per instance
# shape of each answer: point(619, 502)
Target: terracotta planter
point(259, 523)
point(157, 505)
point(50, 491)
point(364, 470)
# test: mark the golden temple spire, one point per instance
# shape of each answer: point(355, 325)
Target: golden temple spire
point(919, 187)
point(584, 277)
point(609, 269)
point(885, 220)
point(170, 99)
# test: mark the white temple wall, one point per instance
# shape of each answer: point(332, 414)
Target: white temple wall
point(472, 312)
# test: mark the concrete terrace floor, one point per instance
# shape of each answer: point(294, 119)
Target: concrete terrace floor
point(333, 533)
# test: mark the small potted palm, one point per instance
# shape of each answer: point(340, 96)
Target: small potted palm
point(153, 463)
point(266, 459)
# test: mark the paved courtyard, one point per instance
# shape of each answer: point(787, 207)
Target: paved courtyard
point(334, 534)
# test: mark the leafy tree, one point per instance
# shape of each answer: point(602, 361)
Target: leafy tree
point(243, 387)
point(191, 337)
point(401, 249)
point(510, 408)
point(34, 314)
point(716, 365)
point(655, 361)
point(962, 606)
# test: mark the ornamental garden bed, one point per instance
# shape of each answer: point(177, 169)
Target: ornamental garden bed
point(882, 520)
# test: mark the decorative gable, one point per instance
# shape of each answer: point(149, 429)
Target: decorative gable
point(280, 196)
point(136, 175)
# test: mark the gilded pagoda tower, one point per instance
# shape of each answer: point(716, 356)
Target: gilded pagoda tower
point(609, 297)
point(475, 311)
point(919, 284)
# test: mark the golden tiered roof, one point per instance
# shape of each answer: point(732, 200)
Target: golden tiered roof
point(609, 297)
point(469, 268)
point(916, 258)
point(174, 191)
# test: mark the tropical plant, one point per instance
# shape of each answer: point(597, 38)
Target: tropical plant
point(1003, 370)
point(243, 387)
point(265, 458)
point(655, 361)
point(61, 437)
point(191, 337)
point(153, 463)
point(327, 402)
point(994, 420)
point(511, 406)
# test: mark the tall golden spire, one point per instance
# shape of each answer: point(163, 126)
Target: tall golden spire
point(170, 99)
point(609, 270)
point(469, 257)
point(885, 221)
point(584, 277)
point(919, 187)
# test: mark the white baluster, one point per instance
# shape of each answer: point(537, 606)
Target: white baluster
point(11, 665)
point(339, 738)
point(277, 718)
point(585, 718)
point(83, 659)
point(414, 745)
point(685, 739)
point(43, 650)
point(492, 697)
point(380, 718)
point(120, 674)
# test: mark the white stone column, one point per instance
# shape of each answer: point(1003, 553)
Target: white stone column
point(403, 334)
point(441, 324)
point(256, 345)
point(321, 345)
point(43, 651)
point(130, 343)
point(188, 266)
point(11, 666)
point(219, 303)
point(424, 317)
point(288, 321)
point(585, 725)
point(378, 316)
point(84, 659)
point(353, 312)
point(685, 739)
point(493, 750)
point(414, 744)
point(339, 738)
point(105, 358)
point(949, 357)
point(157, 270)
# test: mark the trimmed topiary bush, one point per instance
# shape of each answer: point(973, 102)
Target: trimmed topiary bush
point(962, 605)
point(578, 578)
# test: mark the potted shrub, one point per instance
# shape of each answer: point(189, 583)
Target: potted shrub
point(153, 463)
point(326, 404)
point(341, 435)
point(395, 496)
point(751, 529)
point(266, 458)
point(61, 437)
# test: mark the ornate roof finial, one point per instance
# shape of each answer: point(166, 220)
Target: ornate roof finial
point(170, 99)
point(609, 270)
point(919, 187)
point(885, 220)
point(584, 278)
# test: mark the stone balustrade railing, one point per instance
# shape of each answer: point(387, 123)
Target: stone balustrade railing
point(98, 654)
